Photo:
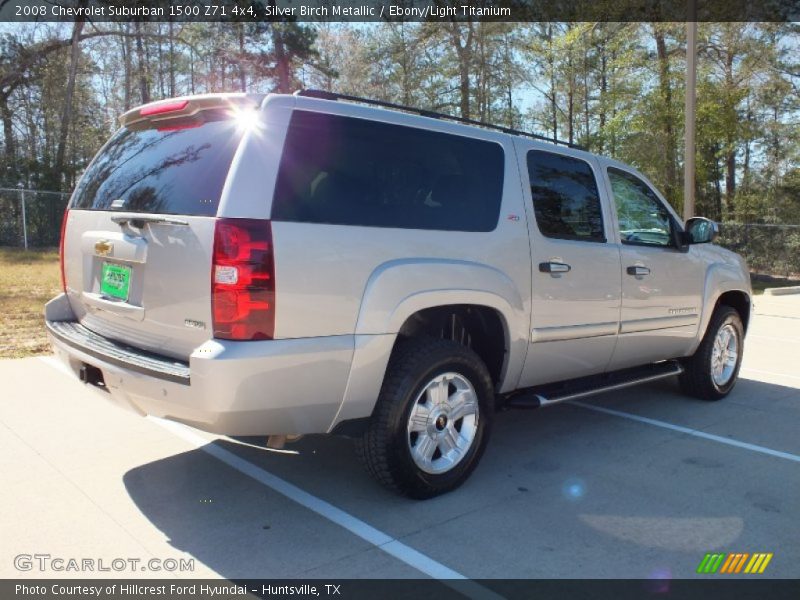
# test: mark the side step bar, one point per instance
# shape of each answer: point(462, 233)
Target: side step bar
point(587, 386)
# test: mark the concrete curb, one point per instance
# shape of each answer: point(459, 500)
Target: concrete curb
point(782, 291)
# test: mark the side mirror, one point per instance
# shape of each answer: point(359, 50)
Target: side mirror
point(700, 230)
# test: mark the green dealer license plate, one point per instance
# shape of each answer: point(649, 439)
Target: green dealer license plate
point(115, 281)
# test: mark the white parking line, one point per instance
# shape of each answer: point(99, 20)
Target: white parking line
point(688, 431)
point(366, 532)
point(354, 525)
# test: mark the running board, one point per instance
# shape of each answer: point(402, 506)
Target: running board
point(587, 386)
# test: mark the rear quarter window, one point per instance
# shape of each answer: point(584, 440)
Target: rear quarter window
point(565, 197)
point(347, 171)
point(171, 170)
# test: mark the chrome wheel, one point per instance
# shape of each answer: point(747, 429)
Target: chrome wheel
point(443, 423)
point(724, 354)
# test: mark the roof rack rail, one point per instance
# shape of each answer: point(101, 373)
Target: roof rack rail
point(322, 94)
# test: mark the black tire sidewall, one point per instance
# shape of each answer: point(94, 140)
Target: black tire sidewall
point(729, 316)
point(411, 478)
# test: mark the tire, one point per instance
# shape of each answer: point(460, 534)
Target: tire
point(703, 377)
point(395, 448)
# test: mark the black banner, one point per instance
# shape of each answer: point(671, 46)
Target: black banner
point(727, 588)
point(399, 10)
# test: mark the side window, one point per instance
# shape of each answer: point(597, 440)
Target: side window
point(348, 171)
point(642, 217)
point(565, 197)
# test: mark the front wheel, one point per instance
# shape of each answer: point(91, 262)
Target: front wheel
point(711, 372)
point(432, 419)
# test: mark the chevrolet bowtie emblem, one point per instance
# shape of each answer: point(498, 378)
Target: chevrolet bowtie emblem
point(103, 247)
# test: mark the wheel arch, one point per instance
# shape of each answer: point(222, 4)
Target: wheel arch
point(402, 294)
point(398, 290)
point(728, 285)
point(738, 300)
point(480, 327)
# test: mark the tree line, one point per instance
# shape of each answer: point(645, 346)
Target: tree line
point(615, 88)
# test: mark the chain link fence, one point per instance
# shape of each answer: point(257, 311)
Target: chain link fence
point(31, 218)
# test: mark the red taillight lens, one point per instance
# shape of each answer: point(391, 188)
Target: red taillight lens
point(243, 280)
point(61, 249)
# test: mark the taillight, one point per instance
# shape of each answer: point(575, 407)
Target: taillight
point(61, 249)
point(243, 280)
point(164, 107)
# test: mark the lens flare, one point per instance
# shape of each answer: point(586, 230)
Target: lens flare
point(574, 489)
point(247, 118)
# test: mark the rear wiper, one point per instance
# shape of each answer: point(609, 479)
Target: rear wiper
point(139, 221)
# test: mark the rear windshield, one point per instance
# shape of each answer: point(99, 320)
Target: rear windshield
point(168, 171)
point(347, 171)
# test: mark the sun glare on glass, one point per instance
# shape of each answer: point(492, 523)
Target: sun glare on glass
point(247, 118)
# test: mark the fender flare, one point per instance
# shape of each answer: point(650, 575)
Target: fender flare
point(397, 289)
point(720, 279)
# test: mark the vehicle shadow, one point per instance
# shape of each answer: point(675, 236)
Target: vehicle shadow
point(240, 528)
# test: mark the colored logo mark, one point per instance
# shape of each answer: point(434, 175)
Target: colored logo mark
point(735, 562)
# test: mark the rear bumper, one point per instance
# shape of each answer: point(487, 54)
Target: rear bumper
point(78, 337)
point(233, 388)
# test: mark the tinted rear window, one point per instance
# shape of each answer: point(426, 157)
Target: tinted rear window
point(347, 171)
point(178, 172)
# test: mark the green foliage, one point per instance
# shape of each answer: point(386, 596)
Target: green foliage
point(617, 88)
point(771, 249)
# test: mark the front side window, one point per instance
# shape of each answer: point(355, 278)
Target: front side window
point(347, 171)
point(642, 217)
point(565, 197)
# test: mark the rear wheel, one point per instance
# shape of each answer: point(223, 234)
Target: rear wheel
point(432, 419)
point(711, 372)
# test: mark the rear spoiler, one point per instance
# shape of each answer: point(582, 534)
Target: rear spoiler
point(188, 107)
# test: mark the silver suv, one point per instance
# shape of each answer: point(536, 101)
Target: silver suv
point(292, 264)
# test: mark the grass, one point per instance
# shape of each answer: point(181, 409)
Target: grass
point(760, 283)
point(28, 279)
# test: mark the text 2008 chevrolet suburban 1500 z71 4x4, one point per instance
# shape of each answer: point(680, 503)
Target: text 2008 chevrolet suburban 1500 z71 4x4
point(292, 264)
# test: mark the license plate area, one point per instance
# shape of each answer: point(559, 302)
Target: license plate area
point(115, 281)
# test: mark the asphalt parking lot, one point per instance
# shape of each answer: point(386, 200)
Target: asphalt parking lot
point(633, 484)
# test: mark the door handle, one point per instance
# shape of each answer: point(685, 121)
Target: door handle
point(638, 271)
point(554, 267)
